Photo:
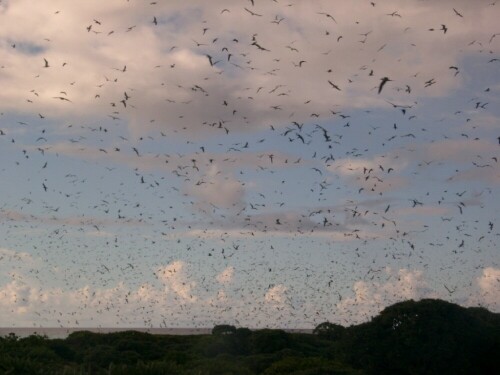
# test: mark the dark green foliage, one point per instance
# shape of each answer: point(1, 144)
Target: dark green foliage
point(270, 340)
point(142, 368)
point(426, 337)
point(61, 349)
point(329, 331)
point(223, 329)
point(308, 366)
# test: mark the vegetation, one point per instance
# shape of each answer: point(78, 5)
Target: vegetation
point(425, 337)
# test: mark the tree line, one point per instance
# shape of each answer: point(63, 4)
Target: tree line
point(424, 337)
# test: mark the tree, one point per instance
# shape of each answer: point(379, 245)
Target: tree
point(223, 329)
point(270, 340)
point(329, 331)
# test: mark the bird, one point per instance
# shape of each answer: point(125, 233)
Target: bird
point(253, 13)
point(416, 203)
point(430, 82)
point(383, 81)
point(259, 46)
point(328, 16)
point(211, 160)
point(317, 170)
point(62, 98)
point(210, 60)
point(334, 85)
point(450, 291)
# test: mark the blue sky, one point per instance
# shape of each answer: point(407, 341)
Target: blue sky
point(188, 164)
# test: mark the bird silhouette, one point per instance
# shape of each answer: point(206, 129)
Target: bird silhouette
point(248, 169)
point(383, 81)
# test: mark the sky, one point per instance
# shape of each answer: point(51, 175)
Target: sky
point(265, 163)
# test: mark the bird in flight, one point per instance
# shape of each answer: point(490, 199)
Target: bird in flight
point(253, 13)
point(328, 16)
point(212, 63)
point(335, 86)
point(61, 98)
point(383, 81)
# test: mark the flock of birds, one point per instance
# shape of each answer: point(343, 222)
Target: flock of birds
point(233, 154)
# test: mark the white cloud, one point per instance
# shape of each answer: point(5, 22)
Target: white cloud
point(16, 296)
point(24, 301)
point(173, 89)
point(277, 295)
point(489, 284)
point(175, 64)
point(175, 278)
point(371, 297)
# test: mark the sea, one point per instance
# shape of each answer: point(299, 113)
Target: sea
point(61, 333)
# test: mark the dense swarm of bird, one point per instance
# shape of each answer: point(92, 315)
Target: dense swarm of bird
point(257, 166)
